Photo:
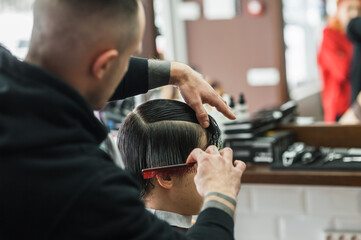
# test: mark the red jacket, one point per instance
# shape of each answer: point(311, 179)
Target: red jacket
point(334, 60)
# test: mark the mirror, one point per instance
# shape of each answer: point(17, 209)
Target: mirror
point(303, 25)
point(304, 21)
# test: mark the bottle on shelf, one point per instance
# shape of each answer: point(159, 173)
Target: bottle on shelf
point(231, 102)
point(241, 109)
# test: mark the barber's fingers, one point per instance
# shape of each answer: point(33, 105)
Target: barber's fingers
point(195, 155)
point(226, 111)
point(221, 106)
point(198, 154)
point(240, 165)
point(227, 153)
point(201, 114)
point(212, 150)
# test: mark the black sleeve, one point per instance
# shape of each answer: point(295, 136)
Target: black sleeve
point(135, 80)
point(212, 223)
point(354, 30)
point(112, 209)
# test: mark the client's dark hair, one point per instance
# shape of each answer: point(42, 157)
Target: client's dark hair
point(160, 133)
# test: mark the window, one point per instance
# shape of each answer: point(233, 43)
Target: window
point(16, 21)
point(304, 21)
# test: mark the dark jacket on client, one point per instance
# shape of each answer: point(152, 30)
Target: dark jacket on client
point(55, 182)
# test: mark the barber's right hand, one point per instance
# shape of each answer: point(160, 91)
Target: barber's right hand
point(216, 172)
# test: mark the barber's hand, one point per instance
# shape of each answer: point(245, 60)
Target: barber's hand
point(216, 172)
point(196, 91)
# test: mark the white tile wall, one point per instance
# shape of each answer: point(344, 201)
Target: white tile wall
point(244, 201)
point(348, 223)
point(333, 201)
point(304, 227)
point(252, 227)
point(277, 200)
point(287, 212)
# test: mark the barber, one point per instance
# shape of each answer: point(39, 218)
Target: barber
point(55, 181)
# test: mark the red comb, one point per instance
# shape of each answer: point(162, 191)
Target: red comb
point(171, 169)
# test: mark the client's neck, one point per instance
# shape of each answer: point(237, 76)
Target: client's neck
point(160, 199)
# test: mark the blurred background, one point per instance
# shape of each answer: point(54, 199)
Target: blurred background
point(265, 51)
point(262, 48)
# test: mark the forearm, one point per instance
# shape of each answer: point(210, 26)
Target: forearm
point(158, 73)
point(162, 73)
point(221, 201)
point(146, 74)
point(142, 75)
point(135, 80)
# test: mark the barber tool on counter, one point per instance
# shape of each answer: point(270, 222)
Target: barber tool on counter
point(263, 149)
point(245, 127)
point(311, 154)
point(302, 157)
point(300, 152)
point(253, 139)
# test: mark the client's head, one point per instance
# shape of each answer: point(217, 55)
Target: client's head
point(161, 133)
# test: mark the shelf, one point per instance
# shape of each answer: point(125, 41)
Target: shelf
point(262, 174)
point(318, 134)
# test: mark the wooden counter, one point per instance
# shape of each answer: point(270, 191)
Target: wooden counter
point(262, 174)
point(319, 134)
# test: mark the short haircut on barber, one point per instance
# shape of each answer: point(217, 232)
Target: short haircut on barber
point(77, 23)
point(160, 133)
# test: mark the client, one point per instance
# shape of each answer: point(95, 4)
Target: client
point(162, 133)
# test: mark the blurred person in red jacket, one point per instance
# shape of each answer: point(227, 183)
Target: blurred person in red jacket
point(334, 60)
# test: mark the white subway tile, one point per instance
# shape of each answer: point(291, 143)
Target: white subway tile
point(303, 227)
point(333, 201)
point(275, 199)
point(284, 212)
point(243, 202)
point(252, 227)
point(348, 223)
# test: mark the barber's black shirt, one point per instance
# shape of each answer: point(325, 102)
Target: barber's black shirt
point(55, 182)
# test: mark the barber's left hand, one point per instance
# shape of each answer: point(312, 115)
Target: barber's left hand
point(196, 91)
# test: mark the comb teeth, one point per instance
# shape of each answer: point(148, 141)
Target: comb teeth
point(178, 169)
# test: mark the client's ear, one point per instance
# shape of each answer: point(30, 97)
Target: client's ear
point(103, 62)
point(165, 181)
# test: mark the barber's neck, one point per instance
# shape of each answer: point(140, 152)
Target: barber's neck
point(50, 60)
point(56, 66)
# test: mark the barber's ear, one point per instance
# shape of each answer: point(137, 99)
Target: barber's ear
point(103, 63)
point(165, 181)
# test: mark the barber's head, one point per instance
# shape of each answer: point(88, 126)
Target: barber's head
point(161, 133)
point(87, 43)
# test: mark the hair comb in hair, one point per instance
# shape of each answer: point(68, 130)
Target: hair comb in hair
point(168, 170)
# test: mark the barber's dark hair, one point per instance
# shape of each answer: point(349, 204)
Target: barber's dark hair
point(160, 133)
